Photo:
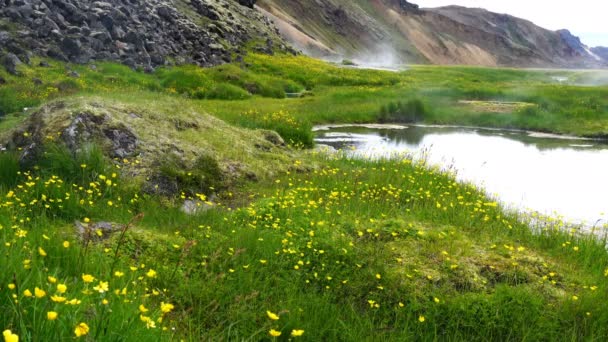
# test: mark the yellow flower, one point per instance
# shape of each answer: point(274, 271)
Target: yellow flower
point(51, 315)
point(118, 274)
point(11, 286)
point(151, 273)
point(51, 279)
point(81, 329)
point(61, 288)
point(101, 287)
point(166, 307)
point(39, 293)
point(87, 278)
point(27, 293)
point(272, 315)
point(41, 251)
point(66, 244)
point(274, 333)
point(142, 308)
point(420, 318)
point(86, 220)
point(297, 333)
point(9, 336)
point(58, 299)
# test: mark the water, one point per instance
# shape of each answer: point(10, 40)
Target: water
point(552, 175)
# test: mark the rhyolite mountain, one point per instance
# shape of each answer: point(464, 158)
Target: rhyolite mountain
point(150, 33)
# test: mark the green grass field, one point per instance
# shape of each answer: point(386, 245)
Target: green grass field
point(318, 248)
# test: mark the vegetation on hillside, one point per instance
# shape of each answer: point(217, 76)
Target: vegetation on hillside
point(321, 247)
point(328, 93)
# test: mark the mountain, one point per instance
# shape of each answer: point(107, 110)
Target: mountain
point(601, 51)
point(400, 31)
point(150, 33)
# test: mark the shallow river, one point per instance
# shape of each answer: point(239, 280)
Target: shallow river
point(552, 175)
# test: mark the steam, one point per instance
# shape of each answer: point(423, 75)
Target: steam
point(593, 78)
point(383, 57)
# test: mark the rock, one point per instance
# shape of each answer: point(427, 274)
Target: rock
point(407, 6)
point(2, 80)
point(124, 142)
point(37, 81)
point(248, 3)
point(193, 207)
point(11, 62)
point(44, 64)
point(140, 33)
point(73, 74)
point(274, 138)
point(96, 231)
point(71, 47)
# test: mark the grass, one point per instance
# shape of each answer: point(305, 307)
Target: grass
point(335, 94)
point(325, 247)
point(354, 250)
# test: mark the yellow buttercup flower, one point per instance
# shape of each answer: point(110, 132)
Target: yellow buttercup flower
point(66, 244)
point(27, 293)
point(274, 333)
point(101, 287)
point(51, 315)
point(142, 308)
point(41, 251)
point(39, 293)
point(61, 288)
point(151, 273)
point(421, 319)
point(58, 299)
point(272, 315)
point(81, 329)
point(87, 278)
point(9, 336)
point(166, 307)
point(297, 333)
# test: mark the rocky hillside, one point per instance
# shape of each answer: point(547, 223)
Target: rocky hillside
point(398, 31)
point(601, 51)
point(138, 33)
point(149, 33)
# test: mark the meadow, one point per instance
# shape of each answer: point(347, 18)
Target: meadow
point(326, 248)
point(315, 92)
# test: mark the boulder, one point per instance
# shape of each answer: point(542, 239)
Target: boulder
point(11, 62)
point(248, 3)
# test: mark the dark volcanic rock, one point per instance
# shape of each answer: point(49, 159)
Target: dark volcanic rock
point(11, 62)
point(248, 3)
point(139, 33)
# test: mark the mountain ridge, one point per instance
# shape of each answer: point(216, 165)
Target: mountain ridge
point(444, 35)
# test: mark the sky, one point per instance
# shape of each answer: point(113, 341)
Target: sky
point(587, 19)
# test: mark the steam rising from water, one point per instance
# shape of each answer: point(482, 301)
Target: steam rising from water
point(383, 57)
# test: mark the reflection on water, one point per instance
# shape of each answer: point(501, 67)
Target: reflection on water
point(567, 177)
